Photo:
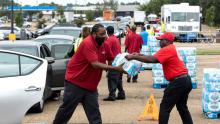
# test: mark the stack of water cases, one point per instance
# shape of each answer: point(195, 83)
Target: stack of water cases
point(211, 93)
point(188, 55)
point(149, 49)
point(157, 72)
point(158, 77)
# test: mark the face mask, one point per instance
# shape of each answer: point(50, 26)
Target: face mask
point(99, 40)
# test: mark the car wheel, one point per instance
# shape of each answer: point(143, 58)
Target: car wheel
point(39, 107)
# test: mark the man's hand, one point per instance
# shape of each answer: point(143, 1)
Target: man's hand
point(119, 69)
point(130, 57)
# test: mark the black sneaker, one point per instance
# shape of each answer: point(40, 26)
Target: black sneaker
point(120, 98)
point(109, 99)
point(129, 80)
point(134, 81)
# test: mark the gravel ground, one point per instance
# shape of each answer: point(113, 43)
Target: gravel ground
point(127, 111)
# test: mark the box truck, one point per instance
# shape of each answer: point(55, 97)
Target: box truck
point(182, 19)
point(139, 17)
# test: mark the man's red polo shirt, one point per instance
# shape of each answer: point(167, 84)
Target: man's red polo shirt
point(171, 61)
point(133, 42)
point(114, 45)
point(79, 69)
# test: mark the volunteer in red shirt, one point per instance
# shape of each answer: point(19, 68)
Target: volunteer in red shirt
point(83, 74)
point(133, 44)
point(114, 77)
point(176, 73)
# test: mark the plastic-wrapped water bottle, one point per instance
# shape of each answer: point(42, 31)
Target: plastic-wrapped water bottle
point(157, 73)
point(119, 59)
point(132, 67)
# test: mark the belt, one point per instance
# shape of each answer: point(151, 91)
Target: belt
point(180, 76)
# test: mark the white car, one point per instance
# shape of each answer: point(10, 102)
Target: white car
point(23, 79)
point(1, 36)
point(99, 19)
point(27, 24)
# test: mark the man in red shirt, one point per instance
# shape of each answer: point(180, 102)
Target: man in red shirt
point(133, 44)
point(176, 73)
point(83, 74)
point(114, 77)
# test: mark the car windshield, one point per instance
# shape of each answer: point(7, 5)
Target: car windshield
point(32, 50)
point(70, 32)
point(192, 17)
point(51, 41)
point(178, 16)
point(184, 17)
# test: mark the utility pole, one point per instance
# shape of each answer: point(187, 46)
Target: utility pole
point(12, 16)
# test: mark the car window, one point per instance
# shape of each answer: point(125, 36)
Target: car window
point(60, 51)
point(47, 51)
point(51, 41)
point(32, 50)
point(42, 52)
point(28, 64)
point(17, 65)
point(74, 33)
point(5, 28)
point(9, 66)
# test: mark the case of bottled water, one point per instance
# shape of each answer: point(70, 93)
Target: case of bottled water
point(211, 90)
point(132, 67)
point(119, 59)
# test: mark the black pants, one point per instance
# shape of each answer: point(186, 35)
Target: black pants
point(134, 78)
point(114, 83)
point(176, 94)
point(73, 95)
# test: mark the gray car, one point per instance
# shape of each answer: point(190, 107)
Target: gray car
point(71, 31)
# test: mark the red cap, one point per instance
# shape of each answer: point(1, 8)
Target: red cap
point(166, 36)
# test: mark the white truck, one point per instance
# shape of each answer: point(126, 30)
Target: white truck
point(139, 17)
point(181, 19)
point(69, 16)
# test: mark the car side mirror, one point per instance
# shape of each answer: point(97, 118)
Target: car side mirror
point(50, 60)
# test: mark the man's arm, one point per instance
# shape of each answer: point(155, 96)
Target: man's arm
point(107, 67)
point(142, 58)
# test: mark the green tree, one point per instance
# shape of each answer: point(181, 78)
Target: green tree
point(19, 19)
point(210, 16)
point(53, 14)
point(40, 15)
point(61, 11)
point(90, 15)
point(107, 4)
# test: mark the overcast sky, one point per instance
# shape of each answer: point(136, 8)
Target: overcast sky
point(64, 2)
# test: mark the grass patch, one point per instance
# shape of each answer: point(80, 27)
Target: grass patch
point(208, 52)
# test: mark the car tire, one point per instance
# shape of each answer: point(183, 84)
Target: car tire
point(39, 107)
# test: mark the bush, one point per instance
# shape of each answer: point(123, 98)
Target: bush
point(210, 16)
point(79, 22)
point(90, 15)
point(19, 19)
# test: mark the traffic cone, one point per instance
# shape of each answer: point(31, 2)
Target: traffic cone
point(150, 110)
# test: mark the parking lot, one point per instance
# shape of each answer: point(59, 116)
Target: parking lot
point(127, 111)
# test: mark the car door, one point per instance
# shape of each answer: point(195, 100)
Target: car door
point(22, 80)
point(59, 51)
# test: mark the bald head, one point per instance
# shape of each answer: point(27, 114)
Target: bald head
point(133, 28)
